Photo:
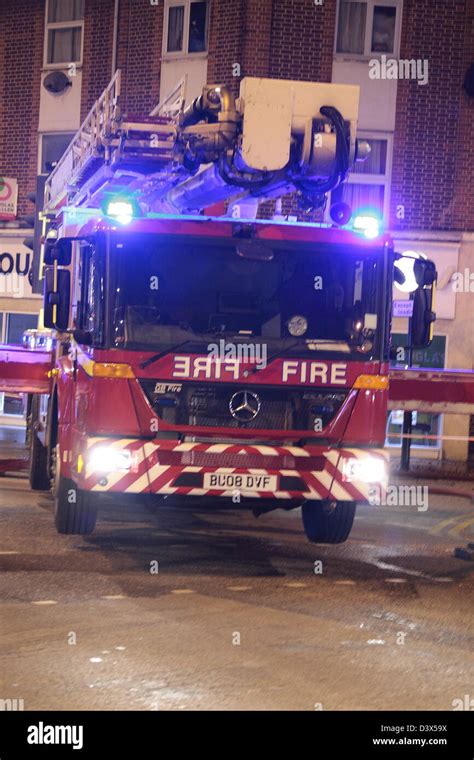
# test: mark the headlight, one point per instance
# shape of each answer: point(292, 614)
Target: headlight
point(368, 470)
point(108, 459)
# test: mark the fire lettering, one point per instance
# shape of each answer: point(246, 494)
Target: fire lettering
point(182, 366)
point(338, 374)
point(320, 371)
point(317, 373)
point(292, 371)
point(202, 364)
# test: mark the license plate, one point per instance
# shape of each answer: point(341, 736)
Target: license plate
point(241, 481)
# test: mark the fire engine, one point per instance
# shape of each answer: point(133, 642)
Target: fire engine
point(216, 356)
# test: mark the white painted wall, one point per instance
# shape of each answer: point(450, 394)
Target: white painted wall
point(61, 113)
point(172, 70)
point(378, 97)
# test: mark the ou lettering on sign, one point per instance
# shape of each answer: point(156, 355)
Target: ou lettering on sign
point(10, 263)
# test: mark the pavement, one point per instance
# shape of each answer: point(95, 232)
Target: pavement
point(433, 469)
point(185, 608)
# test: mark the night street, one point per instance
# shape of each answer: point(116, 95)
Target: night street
point(165, 641)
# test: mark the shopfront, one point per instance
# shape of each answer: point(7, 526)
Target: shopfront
point(439, 436)
point(19, 308)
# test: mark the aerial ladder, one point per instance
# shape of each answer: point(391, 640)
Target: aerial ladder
point(277, 137)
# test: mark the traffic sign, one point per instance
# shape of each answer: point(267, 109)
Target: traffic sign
point(8, 198)
point(402, 308)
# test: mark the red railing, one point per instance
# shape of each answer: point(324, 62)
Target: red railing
point(437, 391)
point(24, 370)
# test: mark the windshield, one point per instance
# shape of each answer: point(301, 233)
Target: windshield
point(169, 292)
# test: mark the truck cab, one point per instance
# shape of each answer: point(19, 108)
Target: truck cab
point(206, 358)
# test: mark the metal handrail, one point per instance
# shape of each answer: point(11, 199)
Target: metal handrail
point(173, 103)
point(90, 141)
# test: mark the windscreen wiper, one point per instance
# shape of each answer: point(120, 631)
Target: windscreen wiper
point(153, 359)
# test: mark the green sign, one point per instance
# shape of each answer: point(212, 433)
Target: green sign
point(433, 357)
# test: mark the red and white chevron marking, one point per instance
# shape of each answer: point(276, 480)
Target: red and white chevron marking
point(156, 466)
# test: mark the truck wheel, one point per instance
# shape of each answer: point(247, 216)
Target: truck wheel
point(38, 469)
point(75, 510)
point(328, 522)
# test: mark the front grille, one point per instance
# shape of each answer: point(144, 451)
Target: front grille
point(210, 407)
point(253, 461)
point(280, 408)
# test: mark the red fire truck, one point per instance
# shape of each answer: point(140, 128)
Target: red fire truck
point(205, 356)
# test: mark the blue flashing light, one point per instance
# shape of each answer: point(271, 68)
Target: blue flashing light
point(369, 225)
point(368, 222)
point(121, 210)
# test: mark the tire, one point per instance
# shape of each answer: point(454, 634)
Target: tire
point(328, 522)
point(38, 469)
point(75, 510)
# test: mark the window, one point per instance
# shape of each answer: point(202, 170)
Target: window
point(197, 27)
point(90, 308)
point(368, 28)
point(17, 324)
point(369, 182)
point(185, 29)
point(12, 404)
point(52, 148)
point(351, 28)
point(12, 327)
point(227, 295)
point(383, 29)
point(175, 29)
point(64, 32)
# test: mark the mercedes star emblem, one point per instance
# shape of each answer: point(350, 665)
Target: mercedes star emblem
point(244, 406)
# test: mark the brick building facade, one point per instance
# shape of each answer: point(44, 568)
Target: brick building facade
point(433, 137)
point(423, 136)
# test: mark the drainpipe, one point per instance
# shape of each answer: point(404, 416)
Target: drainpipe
point(115, 37)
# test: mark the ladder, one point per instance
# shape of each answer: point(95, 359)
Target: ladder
point(109, 149)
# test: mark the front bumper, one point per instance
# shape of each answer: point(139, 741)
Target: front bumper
point(128, 465)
